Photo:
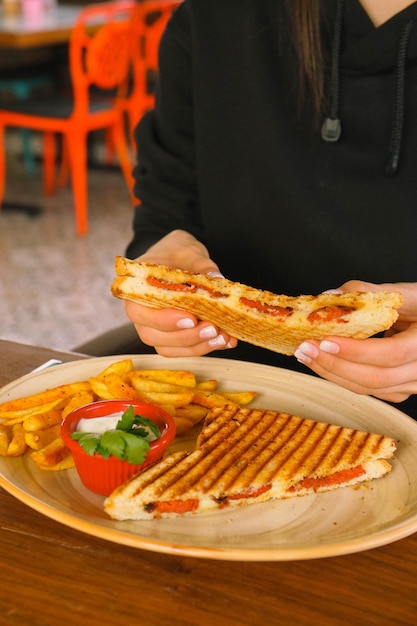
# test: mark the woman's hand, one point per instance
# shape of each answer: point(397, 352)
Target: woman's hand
point(172, 332)
point(383, 367)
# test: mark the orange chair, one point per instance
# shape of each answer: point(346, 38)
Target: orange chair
point(99, 62)
point(149, 21)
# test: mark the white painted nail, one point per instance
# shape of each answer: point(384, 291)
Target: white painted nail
point(185, 322)
point(308, 350)
point(329, 346)
point(301, 357)
point(217, 342)
point(208, 332)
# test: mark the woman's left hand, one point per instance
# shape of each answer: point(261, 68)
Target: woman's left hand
point(384, 367)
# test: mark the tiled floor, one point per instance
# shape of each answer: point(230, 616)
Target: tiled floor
point(55, 286)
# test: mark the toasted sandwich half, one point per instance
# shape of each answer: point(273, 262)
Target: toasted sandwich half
point(276, 322)
point(244, 456)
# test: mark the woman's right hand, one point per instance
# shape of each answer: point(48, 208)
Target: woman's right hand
point(172, 332)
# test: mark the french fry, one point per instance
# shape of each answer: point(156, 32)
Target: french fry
point(207, 385)
point(120, 368)
point(175, 377)
point(121, 390)
point(17, 416)
point(66, 463)
point(193, 412)
point(188, 416)
point(99, 387)
point(41, 438)
point(51, 454)
point(43, 397)
point(169, 408)
point(242, 398)
point(80, 399)
point(182, 425)
point(174, 399)
point(209, 399)
point(17, 445)
point(42, 420)
point(5, 436)
point(146, 385)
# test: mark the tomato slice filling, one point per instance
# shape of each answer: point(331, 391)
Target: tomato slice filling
point(172, 506)
point(330, 313)
point(271, 309)
point(164, 284)
point(210, 290)
point(250, 492)
point(336, 478)
point(190, 287)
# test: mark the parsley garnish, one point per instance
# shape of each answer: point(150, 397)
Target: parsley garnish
point(128, 441)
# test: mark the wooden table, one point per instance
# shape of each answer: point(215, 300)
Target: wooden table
point(54, 27)
point(54, 575)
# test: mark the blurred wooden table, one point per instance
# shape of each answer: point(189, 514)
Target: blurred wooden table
point(53, 575)
point(53, 27)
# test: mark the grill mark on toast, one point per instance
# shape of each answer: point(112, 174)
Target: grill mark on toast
point(249, 449)
point(249, 455)
point(159, 471)
point(217, 452)
point(278, 457)
point(242, 448)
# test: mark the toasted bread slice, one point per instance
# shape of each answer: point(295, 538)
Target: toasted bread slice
point(276, 322)
point(247, 455)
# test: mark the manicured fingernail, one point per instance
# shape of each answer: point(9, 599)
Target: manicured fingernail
point(185, 322)
point(302, 358)
point(306, 352)
point(217, 342)
point(208, 332)
point(308, 349)
point(329, 346)
point(215, 274)
point(335, 291)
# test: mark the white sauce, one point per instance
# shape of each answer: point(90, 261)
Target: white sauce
point(100, 425)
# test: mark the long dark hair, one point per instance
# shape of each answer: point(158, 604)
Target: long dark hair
point(305, 18)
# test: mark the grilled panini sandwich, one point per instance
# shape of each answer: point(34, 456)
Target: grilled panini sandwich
point(276, 322)
point(247, 455)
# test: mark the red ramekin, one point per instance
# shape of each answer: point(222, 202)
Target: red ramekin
point(102, 475)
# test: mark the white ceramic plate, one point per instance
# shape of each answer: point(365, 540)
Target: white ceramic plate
point(340, 522)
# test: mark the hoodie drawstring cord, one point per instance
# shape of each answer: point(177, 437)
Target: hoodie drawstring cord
point(331, 128)
point(398, 118)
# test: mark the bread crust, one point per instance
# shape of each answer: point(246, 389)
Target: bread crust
point(248, 455)
point(276, 322)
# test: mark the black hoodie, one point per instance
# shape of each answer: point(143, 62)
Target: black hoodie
point(228, 156)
